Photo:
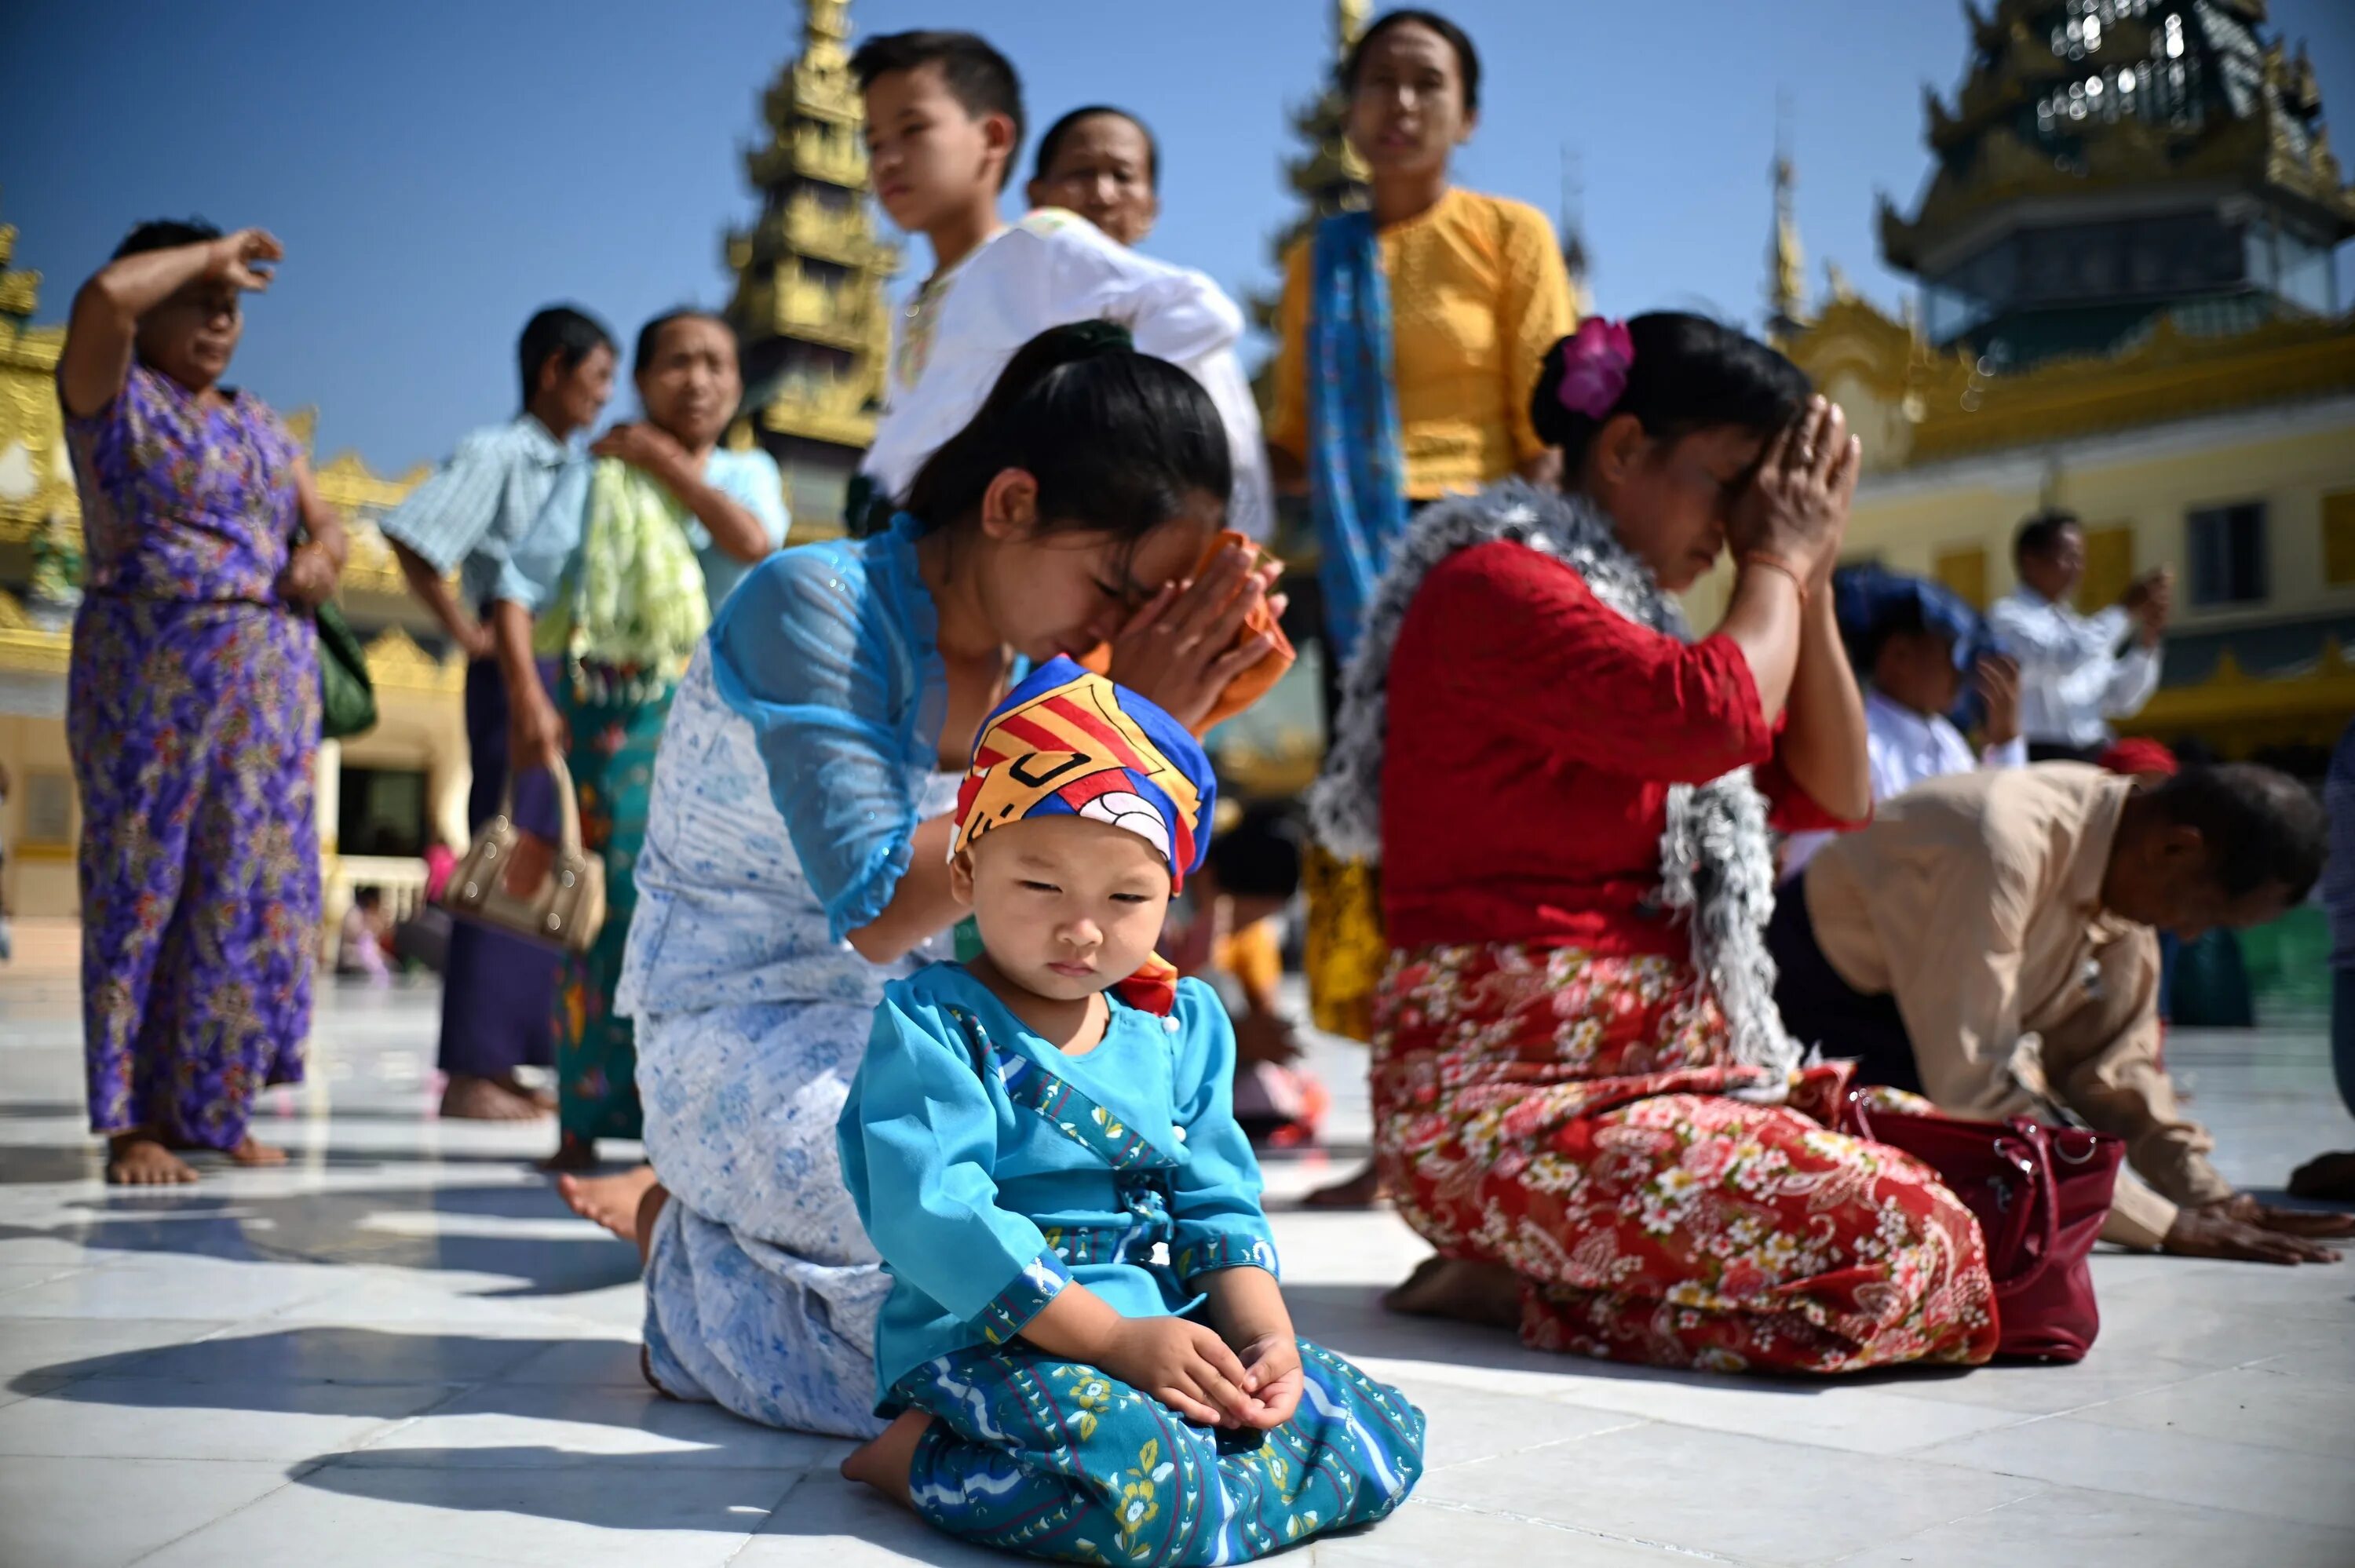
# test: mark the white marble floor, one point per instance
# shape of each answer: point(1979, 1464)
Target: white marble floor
point(400, 1350)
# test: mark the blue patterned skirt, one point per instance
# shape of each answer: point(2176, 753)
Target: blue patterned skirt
point(1054, 1459)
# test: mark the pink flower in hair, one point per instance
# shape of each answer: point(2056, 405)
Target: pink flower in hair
point(1595, 368)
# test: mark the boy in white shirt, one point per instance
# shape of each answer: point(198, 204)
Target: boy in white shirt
point(1914, 642)
point(944, 124)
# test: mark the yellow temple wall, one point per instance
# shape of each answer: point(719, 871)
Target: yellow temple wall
point(418, 730)
point(1953, 521)
point(38, 877)
point(2146, 484)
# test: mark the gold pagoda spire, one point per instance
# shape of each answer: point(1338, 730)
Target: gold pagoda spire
point(1785, 258)
point(1571, 230)
point(20, 291)
point(1331, 178)
point(809, 299)
point(1328, 177)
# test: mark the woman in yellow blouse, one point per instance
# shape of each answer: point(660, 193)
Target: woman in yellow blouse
point(1411, 332)
point(1412, 336)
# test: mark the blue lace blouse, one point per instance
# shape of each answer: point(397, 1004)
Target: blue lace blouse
point(827, 651)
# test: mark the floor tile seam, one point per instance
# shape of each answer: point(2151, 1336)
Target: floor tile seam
point(120, 1458)
point(65, 1271)
point(295, 1472)
point(284, 1380)
point(569, 1462)
point(2045, 1491)
point(1616, 1538)
point(387, 1427)
point(2173, 1429)
point(1629, 1424)
point(2205, 1373)
point(2259, 1457)
point(1844, 1450)
point(66, 1381)
point(399, 1423)
point(784, 1497)
point(2260, 1363)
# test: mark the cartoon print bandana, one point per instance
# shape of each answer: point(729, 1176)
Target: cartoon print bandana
point(1069, 743)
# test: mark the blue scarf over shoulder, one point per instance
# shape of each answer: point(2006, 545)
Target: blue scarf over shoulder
point(1357, 483)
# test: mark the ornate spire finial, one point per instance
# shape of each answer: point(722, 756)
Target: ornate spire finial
point(1349, 24)
point(1787, 262)
point(809, 301)
point(1571, 231)
point(20, 292)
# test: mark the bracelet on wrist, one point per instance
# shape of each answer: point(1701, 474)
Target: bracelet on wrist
point(1775, 563)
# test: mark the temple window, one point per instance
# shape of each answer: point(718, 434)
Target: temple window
point(2226, 554)
point(2338, 538)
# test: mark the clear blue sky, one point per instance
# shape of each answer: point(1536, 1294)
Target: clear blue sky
point(438, 170)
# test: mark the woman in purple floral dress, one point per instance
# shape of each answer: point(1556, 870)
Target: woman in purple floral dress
point(192, 706)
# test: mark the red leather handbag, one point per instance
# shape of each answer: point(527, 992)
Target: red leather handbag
point(2040, 1195)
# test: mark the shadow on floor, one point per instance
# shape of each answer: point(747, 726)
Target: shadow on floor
point(651, 1491)
point(50, 1164)
point(349, 1371)
point(423, 1227)
point(1350, 1319)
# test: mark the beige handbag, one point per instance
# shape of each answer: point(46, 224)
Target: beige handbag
point(566, 909)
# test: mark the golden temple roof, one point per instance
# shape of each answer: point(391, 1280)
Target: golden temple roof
point(1947, 403)
point(810, 273)
point(2066, 99)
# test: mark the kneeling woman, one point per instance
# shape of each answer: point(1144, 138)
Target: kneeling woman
point(796, 853)
point(1583, 1096)
point(1026, 1131)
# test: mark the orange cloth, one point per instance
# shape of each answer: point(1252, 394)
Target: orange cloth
point(1254, 682)
point(1478, 293)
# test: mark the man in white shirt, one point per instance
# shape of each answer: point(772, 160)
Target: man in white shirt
point(2076, 671)
point(1913, 649)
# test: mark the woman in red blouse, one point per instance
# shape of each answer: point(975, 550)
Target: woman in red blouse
point(1583, 1096)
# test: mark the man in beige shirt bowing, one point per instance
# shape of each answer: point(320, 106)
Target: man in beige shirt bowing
point(1989, 942)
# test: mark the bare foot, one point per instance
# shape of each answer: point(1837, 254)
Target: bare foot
point(573, 1152)
point(2328, 1177)
point(470, 1098)
point(138, 1158)
point(1488, 1293)
point(610, 1200)
point(650, 1208)
point(1362, 1191)
point(883, 1462)
point(251, 1153)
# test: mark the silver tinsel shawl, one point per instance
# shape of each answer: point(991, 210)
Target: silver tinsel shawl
point(1717, 864)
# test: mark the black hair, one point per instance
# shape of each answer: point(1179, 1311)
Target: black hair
point(567, 334)
point(1467, 58)
point(1688, 374)
point(2263, 829)
point(976, 75)
point(1051, 143)
point(1117, 440)
point(1259, 857)
point(2041, 535)
point(1904, 618)
point(650, 334)
point(166, 234)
